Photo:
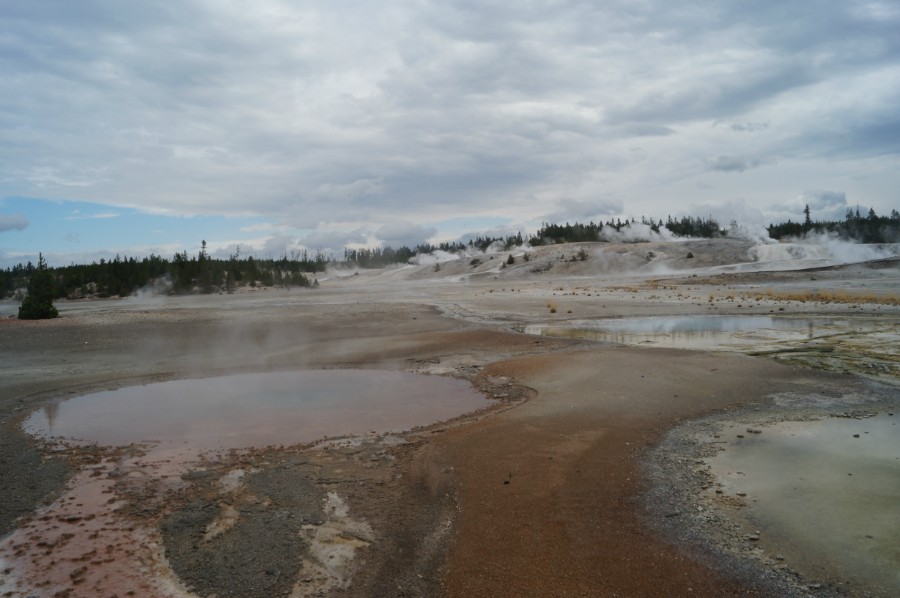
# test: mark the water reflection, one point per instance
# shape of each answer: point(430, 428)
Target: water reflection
point(258, 409)
point(694, 332)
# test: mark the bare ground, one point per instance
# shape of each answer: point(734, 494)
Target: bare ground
point(545, 495)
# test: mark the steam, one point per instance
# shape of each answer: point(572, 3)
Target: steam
point(756, 233)
point(637, 232)
point(156, 288)
point(435, 257)
point(824, 249)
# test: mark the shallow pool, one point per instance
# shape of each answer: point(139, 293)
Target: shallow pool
point(697, 332)
point(826, 494)
point(263, 409)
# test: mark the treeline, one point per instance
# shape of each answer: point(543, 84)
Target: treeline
point(123, 276)
point(201, 273)
point(379, 257)
point(687, 226)
point(870, 228)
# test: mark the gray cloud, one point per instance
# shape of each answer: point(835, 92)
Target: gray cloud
point(311, 114)
point(823, 205)
point(397, 234)
point(731, 163)
point(749, 127)
point(10, 222)
point(571, 210)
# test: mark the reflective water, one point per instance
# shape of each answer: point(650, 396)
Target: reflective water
point(9, 308)
point(825, 494)
point(258, 409)
point(84, 545)
point(695, 332)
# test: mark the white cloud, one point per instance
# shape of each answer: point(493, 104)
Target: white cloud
point(97, 216)
point(309, 114)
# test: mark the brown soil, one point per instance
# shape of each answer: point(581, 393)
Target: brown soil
point(547, 491)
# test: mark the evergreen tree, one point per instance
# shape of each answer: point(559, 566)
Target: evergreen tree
point(38, 304)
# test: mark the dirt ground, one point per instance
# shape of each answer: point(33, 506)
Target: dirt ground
point(544, 494)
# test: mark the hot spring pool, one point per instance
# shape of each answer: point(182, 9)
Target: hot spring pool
point(825, 493)
point(699, 332)
point(264, 409)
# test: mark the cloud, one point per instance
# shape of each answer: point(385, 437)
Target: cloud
point(646, 130)
point(731, 163)
point(361, 188)
point(98, 216)
point(749, 127)
point(823, 205)
point(571, 210)
point(10, 222)
point(307, 114)
point(333, 240)
point(398, 234)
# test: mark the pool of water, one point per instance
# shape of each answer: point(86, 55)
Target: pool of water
point(266, 409)
point(697, 332)
point(9, 308)
point(825, 494)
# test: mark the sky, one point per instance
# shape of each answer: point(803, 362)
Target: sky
point(277, 125)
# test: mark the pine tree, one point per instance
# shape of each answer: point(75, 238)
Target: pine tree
point(38, 304)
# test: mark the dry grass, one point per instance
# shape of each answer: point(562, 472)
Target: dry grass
point(827, 297)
